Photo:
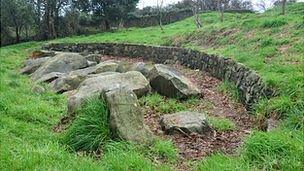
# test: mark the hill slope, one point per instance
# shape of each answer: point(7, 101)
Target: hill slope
point(271, 44)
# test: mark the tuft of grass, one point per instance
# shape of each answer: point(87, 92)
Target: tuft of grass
point(220, 161)
point(277, 150)
point(165, 105)
point(125, 156)
point(277, 22)
point(221, 124)
point(90, 129)
point(230, 89)
point(165, 149)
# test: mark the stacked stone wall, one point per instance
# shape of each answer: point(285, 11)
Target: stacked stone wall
point(249, 83)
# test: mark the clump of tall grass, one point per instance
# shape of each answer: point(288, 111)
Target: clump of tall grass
point(122, 155)
point(277, 150)
point(90, 129)
point(230, 89)
point(165, 149)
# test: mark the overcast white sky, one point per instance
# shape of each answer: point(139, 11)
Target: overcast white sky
point(144, 3)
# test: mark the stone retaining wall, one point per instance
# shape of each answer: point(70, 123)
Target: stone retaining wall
point(249, 83)
point(153, 20)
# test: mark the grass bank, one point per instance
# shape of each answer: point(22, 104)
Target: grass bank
point(269, 43)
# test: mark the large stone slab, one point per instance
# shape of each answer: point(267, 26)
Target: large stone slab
point(107, 66)
point(126, 116)
point(185, 122)
point(72, 81)
point(63, 63)
point(49, 77)
point(31, 65)
point(171, 83)
point(134, 80)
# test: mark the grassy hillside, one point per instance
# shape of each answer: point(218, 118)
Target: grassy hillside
point(271, 44)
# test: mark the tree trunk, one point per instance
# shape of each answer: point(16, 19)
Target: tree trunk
point(220, 9)
point(121, 24)
point(107, 24)
point(198, 21)
point(45, 28)
point(283, 6)
point(27, 32)
point(17, 34)
point(160, 6)
point(52, 29)
point(160, 22)
point(222, 15)
point(196, 15)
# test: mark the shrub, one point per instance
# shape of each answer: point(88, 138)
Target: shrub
point(273, 23)
point(90, 128)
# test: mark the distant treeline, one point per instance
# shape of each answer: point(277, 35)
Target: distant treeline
point(25, 20)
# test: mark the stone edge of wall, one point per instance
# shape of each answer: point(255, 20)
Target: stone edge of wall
point(249, 83)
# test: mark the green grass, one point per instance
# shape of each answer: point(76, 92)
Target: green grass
point(27, 119)
point(278, 150)
point(221, 124)
point(27, 139)
point(165, 105)
point(165, 150)
point(223, 162)
point(90, 129)
point(269, 43)
point(230, 89)
point(125, 156)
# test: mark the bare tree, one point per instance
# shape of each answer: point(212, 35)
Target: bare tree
point(261, 4)
point(160, 8)
point(195, 9)
point(283, 6)
point(220, 9)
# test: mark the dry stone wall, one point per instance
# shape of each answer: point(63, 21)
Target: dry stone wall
point(249, 83)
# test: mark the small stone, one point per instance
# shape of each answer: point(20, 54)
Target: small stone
point(185, 122)
point(141, 67)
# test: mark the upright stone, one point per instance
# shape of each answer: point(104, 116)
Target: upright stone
point(126, 117)
point(171, 83)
